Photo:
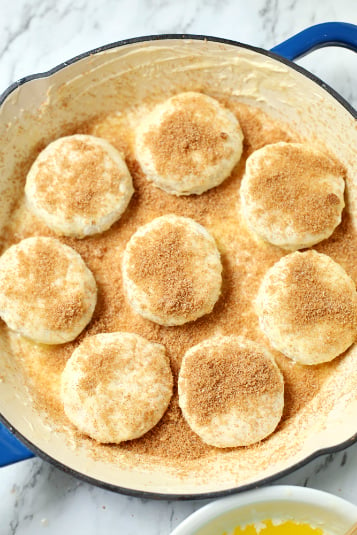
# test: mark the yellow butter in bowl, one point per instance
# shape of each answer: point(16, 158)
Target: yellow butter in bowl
point(275, 510)
point(272, 527)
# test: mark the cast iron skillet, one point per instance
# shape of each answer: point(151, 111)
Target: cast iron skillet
point(13, 446)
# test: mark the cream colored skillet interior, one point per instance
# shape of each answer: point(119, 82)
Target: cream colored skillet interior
point(38, 111)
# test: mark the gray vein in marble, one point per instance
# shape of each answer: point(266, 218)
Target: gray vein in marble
point(325, 463)
point(69, 9)
point(269, 13)
point(291, 5)
point(22, 492)
point(24, 25)
point(214, 5)
point(344, 458)
point(28, 14)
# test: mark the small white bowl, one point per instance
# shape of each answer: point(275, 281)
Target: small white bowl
point(301, 504)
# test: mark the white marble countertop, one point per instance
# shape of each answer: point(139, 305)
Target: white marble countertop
point(35, 35)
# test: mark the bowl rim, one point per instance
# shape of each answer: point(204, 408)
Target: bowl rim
point(275, 493)
point(151, 494)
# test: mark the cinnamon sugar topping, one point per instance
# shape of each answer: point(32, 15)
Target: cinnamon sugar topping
point(76, 178)
point(312, 299)
point(42, 265)
point(97, 368)
point(163, 265)
point(181, 135)
point(39, 268)
point(290, 181)
point(62, 314)
point(225, 377)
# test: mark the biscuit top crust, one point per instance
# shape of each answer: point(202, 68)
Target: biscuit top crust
point(170, 263)
point(312, 297)
point(227, 374)
point(77, 177)
point(189, 138)
point(290, 182)
point(40, 279)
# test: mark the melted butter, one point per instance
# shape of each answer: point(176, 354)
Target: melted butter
point(267, 527)
point(245, 261)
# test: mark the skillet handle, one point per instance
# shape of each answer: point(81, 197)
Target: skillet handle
point(325, 34)
point(11, 449)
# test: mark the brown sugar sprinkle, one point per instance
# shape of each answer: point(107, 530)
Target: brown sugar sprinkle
point(289, 183)
point(97, 370)
point(99, 363)
point(64, 312)
point(97, 367)
point(42, 264)
point(38, 271)
point(227, 376)
point(163, 265)
point(257, 130)
point(86, 176)
point(184, 133)
point(171, 441)
point(342, 246)
point(312, 299)
point(300, 392)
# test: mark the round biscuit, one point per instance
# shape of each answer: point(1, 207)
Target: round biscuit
point(231, 392)
point(172, 271)
point(292, 195)
point(79, 185)
point(116, 386)
point(47, 293)
point(188, 144)
point(307, 307)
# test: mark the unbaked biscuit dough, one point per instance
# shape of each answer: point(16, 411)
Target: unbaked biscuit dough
point(172, 270)
point(292, 194)
point(231, 391)
point(188, 144)
point(47, 293)
point(307, 307)
point(79, 185)
point(116, 386)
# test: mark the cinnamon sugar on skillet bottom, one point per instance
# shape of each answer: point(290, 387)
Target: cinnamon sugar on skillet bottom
point(245, 260)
